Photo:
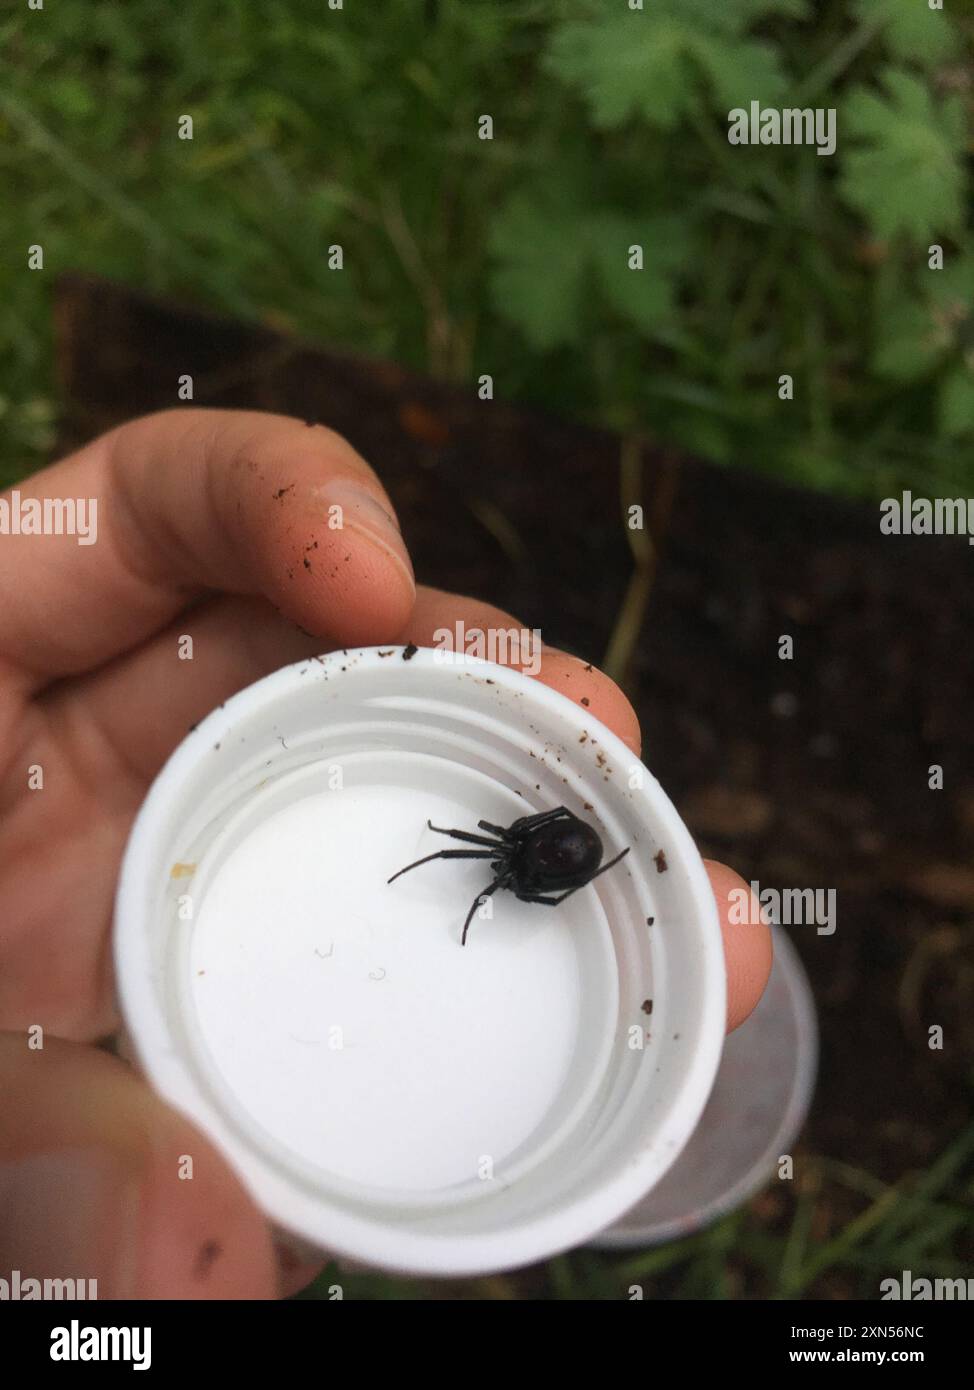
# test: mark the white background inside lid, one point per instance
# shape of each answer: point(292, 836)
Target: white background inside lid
point(449, 1054)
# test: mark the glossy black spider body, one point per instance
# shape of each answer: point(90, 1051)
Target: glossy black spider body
point(536, 857)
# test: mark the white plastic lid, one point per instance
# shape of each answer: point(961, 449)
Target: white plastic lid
point(387, 1095)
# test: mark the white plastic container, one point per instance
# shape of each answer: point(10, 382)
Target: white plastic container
point(387, 1095)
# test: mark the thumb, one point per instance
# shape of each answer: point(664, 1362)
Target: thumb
point(100, 1180)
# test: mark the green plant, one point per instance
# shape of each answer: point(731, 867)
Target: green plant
point(315, 126)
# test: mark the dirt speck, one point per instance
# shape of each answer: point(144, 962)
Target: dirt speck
point(659, 859)
point(409, 651)
point(647, 1006)
point(210, 1252)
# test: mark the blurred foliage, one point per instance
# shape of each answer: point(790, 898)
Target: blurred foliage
point(315, 126)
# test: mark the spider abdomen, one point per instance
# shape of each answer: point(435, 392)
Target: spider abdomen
point(559, 855)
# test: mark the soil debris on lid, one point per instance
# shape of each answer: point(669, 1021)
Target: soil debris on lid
point(659, 859)
point(647, 1006)
point(409, 651)
point(210, 1252)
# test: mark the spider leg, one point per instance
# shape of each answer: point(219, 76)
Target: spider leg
point(499, 882)
point(611, 862)
point(543, 898)
point(448, 854)
point(494, 829)
point(463, 835)
point(542, 817)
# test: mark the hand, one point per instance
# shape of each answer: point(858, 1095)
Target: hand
point(203, 522)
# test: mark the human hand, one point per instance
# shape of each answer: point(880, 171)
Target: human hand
point(212, 523)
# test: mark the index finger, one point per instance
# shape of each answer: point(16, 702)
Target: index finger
point(188, 501)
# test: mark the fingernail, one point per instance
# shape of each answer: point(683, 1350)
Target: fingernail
point(363, 512)
point(70, 1215)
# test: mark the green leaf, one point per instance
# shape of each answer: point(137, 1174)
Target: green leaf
point(71, 98)
point(905, 173)
point(952, 289)
point(907, 346)
point(642, 297)
point(538, 281)
point(549, 248)
point(955, 407)
point(911, 30)
point(914, 334)
point(650, 63)
point(624, 67)
point(741, 73)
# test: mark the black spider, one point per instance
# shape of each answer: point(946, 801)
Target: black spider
point(549, 851)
